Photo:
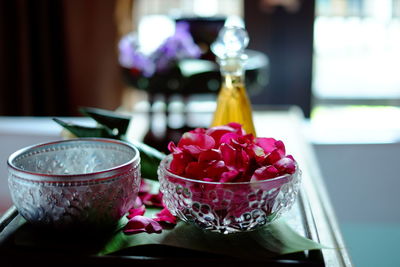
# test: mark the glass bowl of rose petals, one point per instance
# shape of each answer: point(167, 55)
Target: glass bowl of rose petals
point(224, 180)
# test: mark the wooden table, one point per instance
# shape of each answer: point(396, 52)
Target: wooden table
point(312, 215)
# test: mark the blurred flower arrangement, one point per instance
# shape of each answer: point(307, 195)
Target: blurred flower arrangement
point(161, 62)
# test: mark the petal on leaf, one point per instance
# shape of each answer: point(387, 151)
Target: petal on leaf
point(165, 216)
point(135, 212)
point(140, 224)
point(153, 199)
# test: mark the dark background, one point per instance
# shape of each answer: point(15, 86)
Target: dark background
point(58, 55)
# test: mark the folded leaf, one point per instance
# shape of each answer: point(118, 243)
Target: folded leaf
point(110, 119)
point(85, 131)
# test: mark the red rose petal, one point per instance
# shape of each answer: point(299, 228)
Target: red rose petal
point(199, 130)
point(173, 148)
point(138, 202)
point(273, 157)
point(238, 128)
point(140, 224)
point(200, 140)
point(229, 176)
point(264, 173)
point(165, 216)
point(218, 131)
point(257, 153)
point(280, 146)
point(179, 162)
point(268, 144)
point(144, 186)
point(194, 170)
point(192, 150)
point(209, 155)
point(286, 165)
point(228, 154)
point(153, 199)
point(228, 138)
point(216, 169)
point(135, 212)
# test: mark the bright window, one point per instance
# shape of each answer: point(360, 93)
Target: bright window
point(357, 50)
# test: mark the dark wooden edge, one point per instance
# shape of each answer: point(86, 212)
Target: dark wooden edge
point(53, 259)
point(7, 217)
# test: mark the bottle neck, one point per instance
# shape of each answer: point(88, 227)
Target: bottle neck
point(232, 80)
point(232, 66)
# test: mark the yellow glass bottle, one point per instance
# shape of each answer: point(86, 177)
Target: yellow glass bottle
point(233, 104)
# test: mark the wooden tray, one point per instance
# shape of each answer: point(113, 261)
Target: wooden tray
point(312, 216)
point(73, 249)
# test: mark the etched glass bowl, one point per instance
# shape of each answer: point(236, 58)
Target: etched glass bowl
point(227, 207)
point(84, 182)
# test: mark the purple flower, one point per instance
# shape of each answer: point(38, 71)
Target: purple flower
point(130, 56)
point(178, 46)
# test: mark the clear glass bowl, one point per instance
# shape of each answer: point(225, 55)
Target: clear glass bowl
point(75, 183)
point(227, 207)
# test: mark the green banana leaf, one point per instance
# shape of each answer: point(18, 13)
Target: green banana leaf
point(270, 241)
point(111, 119)
point(150, 158)
point(85, 131)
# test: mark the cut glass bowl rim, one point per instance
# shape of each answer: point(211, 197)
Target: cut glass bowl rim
point(165, 162)
point(62, 177)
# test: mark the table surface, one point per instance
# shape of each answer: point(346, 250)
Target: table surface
point(312, 215)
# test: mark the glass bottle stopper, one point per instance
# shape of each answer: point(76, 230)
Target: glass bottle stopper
point(231, 42)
